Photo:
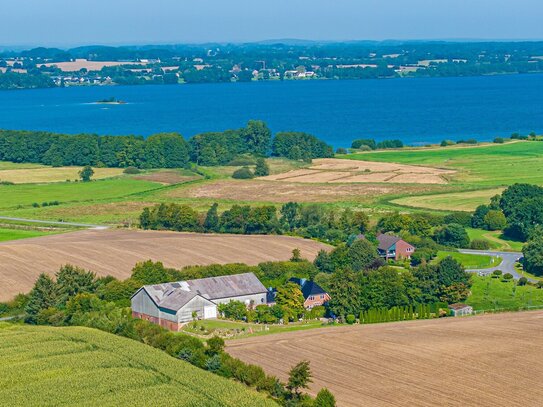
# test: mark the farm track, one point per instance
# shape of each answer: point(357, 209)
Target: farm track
point(488, 360)
point(115, 252)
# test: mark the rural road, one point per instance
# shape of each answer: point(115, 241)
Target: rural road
point(52, 222)
point(507, 265)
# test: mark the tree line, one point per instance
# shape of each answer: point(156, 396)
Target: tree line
point(163, 150)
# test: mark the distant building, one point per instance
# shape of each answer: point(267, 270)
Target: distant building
point(459, 310)
point(394, 247)
point(314, 295)
point(171, 305)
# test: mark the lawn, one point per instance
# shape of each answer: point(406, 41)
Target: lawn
point(236, 330)
point(492, 294)
point(16, 234)
point(470, 261)
point(495, 239)
point(72, 366)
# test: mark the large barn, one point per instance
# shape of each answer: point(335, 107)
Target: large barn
point(170, 305)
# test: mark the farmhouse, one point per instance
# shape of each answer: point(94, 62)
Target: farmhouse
point(313, 293)
point(171, 305)
point(394, 247)
point(459, 310)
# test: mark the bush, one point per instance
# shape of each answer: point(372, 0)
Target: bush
point(461, 218)
point(446, 143)
point(341, 150)
point(499, 140)
point(132, 170)
point(508, 276)
point(468, 141)
point(522, 281)
point(496, 273)
point(479, 244)
point(390, 144)
point(243, 173)
point(361, 143)
point(350, 319)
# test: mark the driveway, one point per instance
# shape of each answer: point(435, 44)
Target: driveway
point(507, 265)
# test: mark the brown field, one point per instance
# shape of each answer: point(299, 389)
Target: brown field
point(280, 192)
point(53, 174)
point(354, 171)
point(114, 252)
point(489, 360)
point(74, 66)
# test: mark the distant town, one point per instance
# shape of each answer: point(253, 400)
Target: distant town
point(210, 63)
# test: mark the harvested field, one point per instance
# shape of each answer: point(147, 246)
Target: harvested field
point(489, 360)
point(74, 66)
point(353, 171)
point(454, 201)
point(114, 252)
point(167, 177)
point(281, 192)
point(53, 174)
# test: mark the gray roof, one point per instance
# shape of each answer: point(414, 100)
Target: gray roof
point(386, 241)
point(174, 296)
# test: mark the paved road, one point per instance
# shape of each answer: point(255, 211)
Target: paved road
point(507, 265)
point(51, 222)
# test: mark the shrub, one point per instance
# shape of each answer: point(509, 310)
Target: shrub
point(522, 281)
point(499, 140)
point(390, 144)
point(350, 319)
point(341, 150)
point(507, 276)
point(461, 218)
point(131, 170)
point(360, 143)
point(539, 284)
point(243, 173)
point(479, 244)
point(446, 143)
point(468, 141)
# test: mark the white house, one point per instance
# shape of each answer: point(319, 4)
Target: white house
point(170, 305)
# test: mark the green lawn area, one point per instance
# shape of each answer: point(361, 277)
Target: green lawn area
point(470, 261)
point(16, 234)
point(495, 239)
point(491, 293)
point(236, 330)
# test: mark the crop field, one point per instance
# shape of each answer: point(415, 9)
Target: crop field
point(115, 252)
point(454, 201)
point(53, 174)
point(74, 66)
point(71, 366)
point(489, 360)
point(355, 171)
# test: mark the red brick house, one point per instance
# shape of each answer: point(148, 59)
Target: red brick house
point(313, 293)
point(394, 247)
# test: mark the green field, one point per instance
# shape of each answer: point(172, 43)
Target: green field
point(469, 261)
point(492, 294)
point(495, 239)
point(71, 366)
point(16, 234)
point(482, 171)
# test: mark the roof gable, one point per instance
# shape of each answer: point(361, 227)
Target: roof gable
point(387, 241)
point(307, 287)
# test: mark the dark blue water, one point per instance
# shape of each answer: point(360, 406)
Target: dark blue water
point(416, 110)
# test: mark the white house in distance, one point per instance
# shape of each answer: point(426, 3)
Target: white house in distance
point(171, 305)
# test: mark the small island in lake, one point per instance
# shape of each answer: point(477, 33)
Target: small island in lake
point(111, 101)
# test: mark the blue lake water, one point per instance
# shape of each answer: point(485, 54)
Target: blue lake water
point(418, 111)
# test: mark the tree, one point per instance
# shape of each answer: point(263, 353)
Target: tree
point(290, 298)
point(262, 168)
point(453, 235)
point(533, 256)
point(256, 137)
point(243, 173)
point(149, 272)
point(362, 254)
point(296, 256)
point(495, 220)
point(299, 377)
point(324, 399)
point(211, 222)
point(73, 280)
point(478, 218)
point(42, 296)
point(215, 345)
point(86, 173)
point(344, 290)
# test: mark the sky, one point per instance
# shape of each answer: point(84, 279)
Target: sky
point(116, 22)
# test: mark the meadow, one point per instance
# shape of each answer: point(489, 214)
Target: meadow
point(80, 366)
point(469, 261)
point(7, 234)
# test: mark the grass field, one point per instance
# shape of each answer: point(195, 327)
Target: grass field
point(488, 361)
point(495, 239)
point(71, 366)
point(493, 294)
point(16, 234)
point(115, 252)
point(52, 174)
point(469, 261)
point(235, 329)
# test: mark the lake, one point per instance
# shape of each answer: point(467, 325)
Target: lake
point(418, 111)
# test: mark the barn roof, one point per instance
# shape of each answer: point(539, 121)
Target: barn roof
point(174, 296)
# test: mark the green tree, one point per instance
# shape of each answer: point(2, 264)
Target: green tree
point(495, 220)
point(262, 168)
point(453, 235)
point(256, 137)
point(215, 345)
point(362, 254)
point(533, 255)
point(149, 272)
point(42, 296)
point(344, 290)
point(73, 280)
point(296, 256)
point(243, 173)
point(299, 378)
point(290, 298)
point(211, 222)
point(324, 398)
point(86, 173)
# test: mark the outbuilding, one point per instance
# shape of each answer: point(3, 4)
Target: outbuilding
point(459, 310)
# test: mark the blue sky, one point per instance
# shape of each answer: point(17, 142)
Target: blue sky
point(72, 22)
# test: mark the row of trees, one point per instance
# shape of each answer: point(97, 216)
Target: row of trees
point(163, 150)
point(304, 220)
point(402, 313)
